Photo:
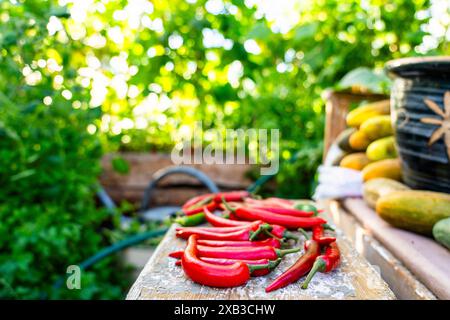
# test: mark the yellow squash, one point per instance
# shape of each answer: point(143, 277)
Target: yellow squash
point(357, 116)
point(355, 161)
point(359, 141)
point(389, 168)
point(381, 149)
point(377, 127)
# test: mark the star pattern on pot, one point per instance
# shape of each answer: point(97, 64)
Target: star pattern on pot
point(444, 123)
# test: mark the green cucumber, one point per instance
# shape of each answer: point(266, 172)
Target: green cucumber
point(441, 232)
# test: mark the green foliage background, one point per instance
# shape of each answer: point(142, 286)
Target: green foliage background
point(80, 78)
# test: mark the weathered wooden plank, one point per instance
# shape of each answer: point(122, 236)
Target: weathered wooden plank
point(401, 281)
point(354, 279)
point(425, 258)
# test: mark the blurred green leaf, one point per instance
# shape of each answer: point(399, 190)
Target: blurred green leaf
point(120, 165)
point(365, 78)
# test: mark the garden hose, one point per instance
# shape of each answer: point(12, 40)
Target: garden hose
point(128, 242)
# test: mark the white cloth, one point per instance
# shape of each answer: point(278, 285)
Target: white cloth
point(337, 182)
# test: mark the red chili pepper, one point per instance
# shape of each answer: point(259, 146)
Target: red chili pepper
point(299, 269)
point(195, 200)
point(272, 264)
point(237, 195)
point(223, 261)
point(318, 235)
point(271, 242)
point(233, 217)
point(231, 196)
point(249, 253)
point(210, 206)
point(324, 263)
point(286, 202)
point(253, 225)
point(240, 235)
point(217, 221)
point(214, 275)
point(176, 254)
point(285, 211)
point(275, 218)
point(256, 273)
point(262, 203)
point(281, 232)
point(215, 243)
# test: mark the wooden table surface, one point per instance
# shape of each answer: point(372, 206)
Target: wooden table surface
point(354, 279)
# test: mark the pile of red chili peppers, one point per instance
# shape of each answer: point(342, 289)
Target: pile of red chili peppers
point(247, 237)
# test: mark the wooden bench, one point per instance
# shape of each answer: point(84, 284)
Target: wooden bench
point(414, 266)
point(355, 279)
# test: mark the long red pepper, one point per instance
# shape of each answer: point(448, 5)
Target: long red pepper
point(285, 202)
point(215, 243)
point(272, 264)
point(280, 232)
point(177, 254)
point(241, 235)
point(271, 230)
point(253, 225)
point(299, 269)
point(214, 275)
point(318, 235)
point(249, 253)
point(195, 200)
point(285, 211)
point(271, 242)
point(210, 206)
point(231, 196)
point(217, 221)
point(223, 261)
point(262, 203)
point(274, 218)
point(324, 263)
point(256, 273)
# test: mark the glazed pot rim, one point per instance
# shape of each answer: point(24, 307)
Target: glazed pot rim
point(419, 66)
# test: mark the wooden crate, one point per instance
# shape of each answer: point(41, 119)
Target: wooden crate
point(338, 104)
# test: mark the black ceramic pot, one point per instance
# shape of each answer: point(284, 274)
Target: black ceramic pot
point(420, 102)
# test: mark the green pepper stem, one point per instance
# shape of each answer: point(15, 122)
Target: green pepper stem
point(270, 234)
point(225, 203)
point(303, 232)
point(289, 235)
point(274, 263)
point(284, 243)
point(326, 226)
point(254, 267)
point(262, 228)
point(283, 252)
point(319, 265)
